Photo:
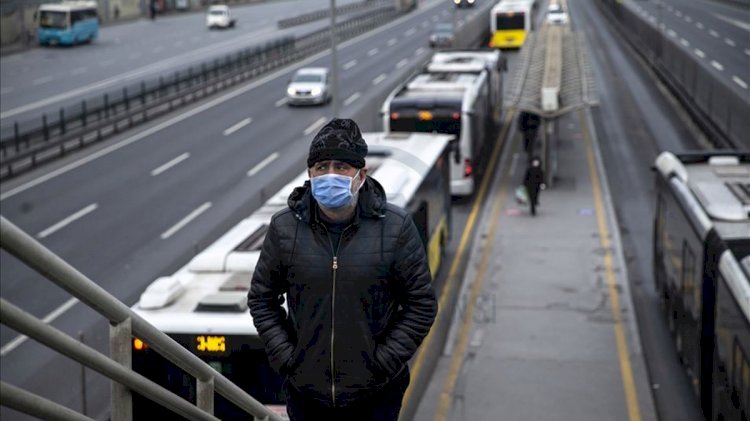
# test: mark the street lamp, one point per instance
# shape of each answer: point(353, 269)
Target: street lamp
point(334, 66)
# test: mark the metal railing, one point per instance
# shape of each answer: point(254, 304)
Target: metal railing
point(124, 325)
point(23, 147)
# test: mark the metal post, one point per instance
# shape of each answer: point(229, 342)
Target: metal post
point(83, 377)
point(83, 112)
point(125, 97)
point(16, 138)
point(334, 65)
point(106, 106)
point(62, 120)
point(121, 352)
point(44, 127)
point(205, 395)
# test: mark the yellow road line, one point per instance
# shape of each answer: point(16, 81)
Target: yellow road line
point(459, 351)
point(626, 371)
point(451, 282)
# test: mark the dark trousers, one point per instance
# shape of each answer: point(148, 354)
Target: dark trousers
point(382, 405)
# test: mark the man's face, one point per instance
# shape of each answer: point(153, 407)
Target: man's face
point(339, 168)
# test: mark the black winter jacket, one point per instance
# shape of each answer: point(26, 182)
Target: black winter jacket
point(356, 315)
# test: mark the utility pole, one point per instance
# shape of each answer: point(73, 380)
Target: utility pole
point(334, 65)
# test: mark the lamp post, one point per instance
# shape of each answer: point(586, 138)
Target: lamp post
point(334, 66)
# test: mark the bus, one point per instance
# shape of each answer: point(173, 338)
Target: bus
point(67, 23)
point(458, 102)
point(203, 306)
point(510, 23)
point(701, 264)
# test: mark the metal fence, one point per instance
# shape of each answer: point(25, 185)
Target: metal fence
point(24, 145)
point(124, 324)
point(721, 111)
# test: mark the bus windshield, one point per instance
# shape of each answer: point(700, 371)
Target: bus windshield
point(510, 21)
point(51, 19)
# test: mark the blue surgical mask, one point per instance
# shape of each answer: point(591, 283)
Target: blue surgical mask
point(333, 191)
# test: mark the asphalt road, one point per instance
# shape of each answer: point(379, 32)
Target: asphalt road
point(716, 33)
point(47, 78)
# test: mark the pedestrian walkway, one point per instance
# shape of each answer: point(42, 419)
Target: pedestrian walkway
point(544, 328)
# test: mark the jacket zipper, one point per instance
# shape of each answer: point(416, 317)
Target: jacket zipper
point(334, 266)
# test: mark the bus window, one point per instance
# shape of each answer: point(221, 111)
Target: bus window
point(511, 21)
point(56, 20)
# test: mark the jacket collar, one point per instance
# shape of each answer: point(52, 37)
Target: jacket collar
point(371, 203)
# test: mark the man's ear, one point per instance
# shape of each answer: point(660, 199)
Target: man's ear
point(309, 173)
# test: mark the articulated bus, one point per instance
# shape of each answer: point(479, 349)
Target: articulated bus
point(203, 306)
point(456, 101)
point(702, 271)
point(67, 23)
point(510, 23)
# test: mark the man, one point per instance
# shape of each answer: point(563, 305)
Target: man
point(534, 181)
point(357, 283)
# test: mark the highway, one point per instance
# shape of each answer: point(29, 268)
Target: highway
point(141, 204)
point(716, 34)
point(142, 50)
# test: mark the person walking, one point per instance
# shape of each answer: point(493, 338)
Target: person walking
point(357, 284)
point(530, 123)
point(533, 180)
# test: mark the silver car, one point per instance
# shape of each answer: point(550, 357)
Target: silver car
point(309, 85)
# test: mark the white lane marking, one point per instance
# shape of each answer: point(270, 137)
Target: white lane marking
point(170, 164)
point(186, 220)
point(729, 42)
point(379, 79)
point(410, 32)
point(280, 102)
point(262, 164)
point(740, 82)
point(78, 71)
point(135, 55)
point(747, 52)
point(18, 340)
point(717, 65)
point(350, 64)
point(401, 63)
point(67, 221)
point(7, 90)
point(351, 99)
point(392, 42)
point(672, 33)
point(372, 52)
point(713, 33)
point(420, 50)
point(699, 53)
point(238, 126)
point(684, 42)
point(678, 13)
point(42, 80)
point(688, 19)
point(738, 23)
point(699, 25)
point(319, 122)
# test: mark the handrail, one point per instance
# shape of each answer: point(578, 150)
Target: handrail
point(51, 266)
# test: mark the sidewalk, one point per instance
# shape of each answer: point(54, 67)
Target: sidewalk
point(536, 336)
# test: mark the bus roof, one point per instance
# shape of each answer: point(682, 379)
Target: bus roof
point(512, 6)
point(720, 184)
point(219, 277)
point(464, 61)
point(68, 6)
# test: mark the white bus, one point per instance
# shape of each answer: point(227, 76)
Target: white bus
point(203, 306)
point(456, 102)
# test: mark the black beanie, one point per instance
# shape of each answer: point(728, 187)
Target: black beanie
point(340, 140)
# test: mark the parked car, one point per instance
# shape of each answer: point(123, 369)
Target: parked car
point(556, 15)
point(309, 85)
point(442, 35)
point(464, 3)
point(219, 16)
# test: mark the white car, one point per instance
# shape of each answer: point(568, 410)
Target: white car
point(556, 15)
point(219, 16)
point(309, 85)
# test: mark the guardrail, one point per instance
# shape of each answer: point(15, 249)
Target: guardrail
point(124, 324)
point(325, 13)
point(96, 119)
point(720, 111)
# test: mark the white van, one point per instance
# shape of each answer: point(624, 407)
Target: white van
point(219, 16)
